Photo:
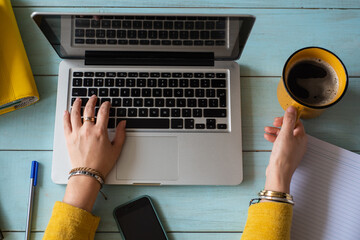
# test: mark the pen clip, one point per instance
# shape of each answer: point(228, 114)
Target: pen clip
point(34, 171)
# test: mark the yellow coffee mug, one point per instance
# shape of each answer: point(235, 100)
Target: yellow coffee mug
point(287, 98)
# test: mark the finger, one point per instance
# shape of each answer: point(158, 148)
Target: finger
point(270, 138)
point(120, 135)
point(289, 121)
point(272, 130)
point(76, 115)
point(278, 121)
point(89, 110)
point(299, 129)
point(103, 115)
point(67, 123)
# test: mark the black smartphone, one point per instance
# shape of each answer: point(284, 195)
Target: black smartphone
point(138, 220)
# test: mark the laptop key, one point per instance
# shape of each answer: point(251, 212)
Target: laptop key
point(120, 82)
point(99, 82)
point(103, 92)
point(114, 92)
point(95, 23)
point(189, 123)
point(79, 41)
point(82, 23)
point(77, 82)
point(200, 126)
point(197, 112)
point(151, 123)
point(209, 43)
point(100, 33)
point(175, 112)
point(218, 83)
point(222, 126)
point(127, 102)
point(79, 92)
point(101, 41)
point(123, 42)
point(154, 112)
point(143, 112)
point(109, 82)
point(164, 112)
point(79, 33)
point(116, 102)
point(121, 112)
point(220, 43)
point(92, 91)
point(116, 24)
point(132, 112)
point(217, 34)
point(88, 74)
point(221, 94)
point(210, 123)
point(105, 23)
point(220, 113)
point(186, 112)
point(151, 82)
point(177, 124)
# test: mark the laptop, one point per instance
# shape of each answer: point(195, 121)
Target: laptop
point(172, 77)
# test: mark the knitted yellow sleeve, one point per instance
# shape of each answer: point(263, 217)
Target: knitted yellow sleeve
point(68, 222)
point(268, 220)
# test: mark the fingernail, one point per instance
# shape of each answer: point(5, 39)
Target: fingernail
point(78, 99)
point(123, 123)
point(291, 109)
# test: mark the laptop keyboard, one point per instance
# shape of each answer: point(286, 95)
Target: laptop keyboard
point(150, 30)
point(172, 101)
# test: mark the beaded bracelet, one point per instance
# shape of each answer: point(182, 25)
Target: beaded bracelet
point(98, 178)
point(91, 170)
point(95, 174)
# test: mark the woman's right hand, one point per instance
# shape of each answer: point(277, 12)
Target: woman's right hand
point(289, 148)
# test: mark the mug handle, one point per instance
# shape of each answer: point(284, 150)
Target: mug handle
point(299, 108)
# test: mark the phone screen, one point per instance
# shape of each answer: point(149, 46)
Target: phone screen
point(138, 220)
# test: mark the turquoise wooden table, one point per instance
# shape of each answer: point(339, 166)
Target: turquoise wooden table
point(210, 212)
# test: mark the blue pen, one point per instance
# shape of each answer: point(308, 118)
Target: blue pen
point(33, 182)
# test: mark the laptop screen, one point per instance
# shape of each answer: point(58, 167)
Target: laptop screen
point(74, 35)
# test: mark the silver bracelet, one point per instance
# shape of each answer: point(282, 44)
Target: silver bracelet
point(277, 199)
point(97, 177)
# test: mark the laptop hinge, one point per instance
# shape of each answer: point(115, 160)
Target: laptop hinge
point(145, 58)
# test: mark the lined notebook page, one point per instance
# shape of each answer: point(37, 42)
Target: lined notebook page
point(326, 190)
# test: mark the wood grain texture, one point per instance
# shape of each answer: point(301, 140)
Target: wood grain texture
point(116, 236)
point(277, 33)
point(193, 4)
point(182, 208)
point(32, 128)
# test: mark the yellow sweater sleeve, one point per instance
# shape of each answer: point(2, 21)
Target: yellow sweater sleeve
point(68, 222)
point(268, 220)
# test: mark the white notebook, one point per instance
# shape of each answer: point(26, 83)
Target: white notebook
point(326, 190)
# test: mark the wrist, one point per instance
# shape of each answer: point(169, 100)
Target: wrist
point(82, 192)
point(277, 181)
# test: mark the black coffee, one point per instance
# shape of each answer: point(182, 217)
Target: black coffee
point(313, 81)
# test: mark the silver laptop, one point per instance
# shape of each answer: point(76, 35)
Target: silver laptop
point(172, 77)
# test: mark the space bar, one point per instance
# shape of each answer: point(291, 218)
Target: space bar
point(147, 123)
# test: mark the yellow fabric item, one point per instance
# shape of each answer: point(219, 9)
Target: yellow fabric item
point(268, 220)
point(17, 84)
point(69, 222)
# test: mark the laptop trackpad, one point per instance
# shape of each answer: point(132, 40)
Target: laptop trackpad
point(149, 159)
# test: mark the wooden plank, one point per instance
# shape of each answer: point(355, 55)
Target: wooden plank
point(193, 4)
point(181, 208)
point(32, 128)
point(116, 236)
point(276, 35)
